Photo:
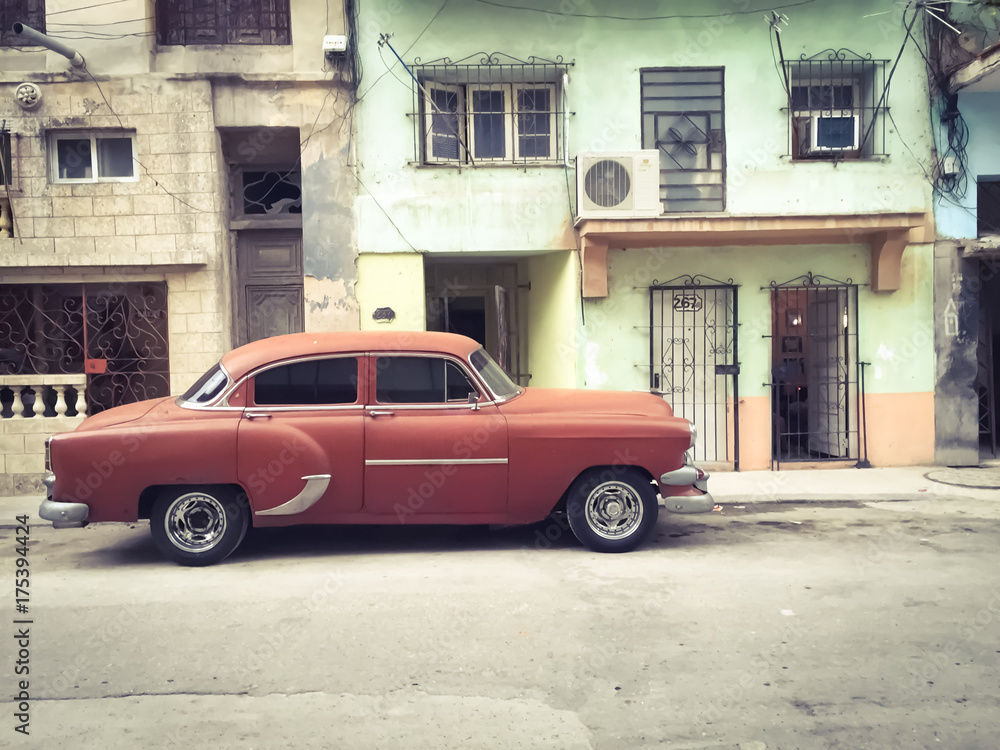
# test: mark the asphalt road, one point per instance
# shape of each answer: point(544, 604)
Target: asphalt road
point(771, 626)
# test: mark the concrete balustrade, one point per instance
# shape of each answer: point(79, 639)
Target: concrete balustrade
point(30, 391)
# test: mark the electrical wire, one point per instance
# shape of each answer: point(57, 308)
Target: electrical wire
point(135, 158)
point(646, 18)
point(405, 51)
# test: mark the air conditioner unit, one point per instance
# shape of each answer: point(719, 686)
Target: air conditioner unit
point(832, 132)
point(618, 185)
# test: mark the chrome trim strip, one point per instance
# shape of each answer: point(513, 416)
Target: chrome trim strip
point(332, 407)
point(316, 485)
point(432, 461)
point(464, 405)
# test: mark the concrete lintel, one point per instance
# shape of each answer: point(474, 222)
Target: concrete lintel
point(595, 267)
point(981, 74)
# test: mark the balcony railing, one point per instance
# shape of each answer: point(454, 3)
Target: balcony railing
point(28, 396)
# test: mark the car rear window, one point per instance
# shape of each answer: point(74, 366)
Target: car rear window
point(207, 388)
point(311, 383)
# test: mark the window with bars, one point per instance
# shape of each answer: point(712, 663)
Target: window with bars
point(497, 110)
point(683, 119)
point(29, 12)
point(835, 106)
point(191, 22)
point(988, 206)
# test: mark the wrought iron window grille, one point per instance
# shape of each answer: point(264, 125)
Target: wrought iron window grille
point(683, 117)
point(836, 106)
point(29, 12)
point(195, 22)
point(268, 192)
point(489, 109)
point(114, 333)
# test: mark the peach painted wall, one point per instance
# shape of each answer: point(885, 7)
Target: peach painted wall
point(755, 433)
point(900, 428)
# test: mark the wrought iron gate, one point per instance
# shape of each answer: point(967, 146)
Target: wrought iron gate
point(694, 359)
point(116, 333)
point(814, 368)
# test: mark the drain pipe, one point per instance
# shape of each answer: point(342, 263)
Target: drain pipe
point(37, 39)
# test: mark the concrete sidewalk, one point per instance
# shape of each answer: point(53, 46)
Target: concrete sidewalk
point(804, 485)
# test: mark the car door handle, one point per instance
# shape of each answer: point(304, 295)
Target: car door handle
point(257, 415)
point(380, 413)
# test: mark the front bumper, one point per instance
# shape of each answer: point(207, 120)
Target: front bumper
point(62, 515)
point(696, 498)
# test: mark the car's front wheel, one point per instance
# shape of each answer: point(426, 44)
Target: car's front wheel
point(612, 509)
point(199, 525)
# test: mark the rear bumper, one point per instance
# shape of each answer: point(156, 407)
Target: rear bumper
point(703, 502)
point(62, 515)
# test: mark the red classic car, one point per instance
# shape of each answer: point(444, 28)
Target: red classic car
point(372, 428)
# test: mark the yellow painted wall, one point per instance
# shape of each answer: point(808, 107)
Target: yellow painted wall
point(552, 319)
point(394, 280)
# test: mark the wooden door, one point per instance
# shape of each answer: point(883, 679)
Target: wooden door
point(269, 283)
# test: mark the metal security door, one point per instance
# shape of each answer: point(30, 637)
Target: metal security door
point(815, 363)
point(694, 359)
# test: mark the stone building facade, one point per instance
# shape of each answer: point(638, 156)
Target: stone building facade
point(183, 191)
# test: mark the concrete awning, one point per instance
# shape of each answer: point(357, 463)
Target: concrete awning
point(887, 234)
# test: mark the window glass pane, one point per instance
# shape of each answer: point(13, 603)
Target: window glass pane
point(319, 382)
point(488, 122)
point(459, 386)
point(534, 123)
point(74, 159)
point(410, 380)
point(501, 385)
point(114, 157)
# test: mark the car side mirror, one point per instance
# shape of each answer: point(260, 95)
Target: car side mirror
point(474, 400)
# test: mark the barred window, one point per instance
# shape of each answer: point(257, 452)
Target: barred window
point(496, 110)
point(683, 119)
point(186, 22)
point(29, 12)
point(836, 108)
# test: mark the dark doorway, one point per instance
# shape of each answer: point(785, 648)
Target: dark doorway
point(814, 366)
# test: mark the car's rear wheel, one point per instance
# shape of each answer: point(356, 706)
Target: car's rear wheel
point(612, 510)
point(199, 525)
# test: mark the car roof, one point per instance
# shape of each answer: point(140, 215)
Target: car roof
point(246, 358)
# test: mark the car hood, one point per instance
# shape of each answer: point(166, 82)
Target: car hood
point(121, 414)
point(581, 401)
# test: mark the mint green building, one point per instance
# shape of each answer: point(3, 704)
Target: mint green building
point(727, 208)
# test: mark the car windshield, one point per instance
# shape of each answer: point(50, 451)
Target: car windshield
point(207, 388)
point(501, 385)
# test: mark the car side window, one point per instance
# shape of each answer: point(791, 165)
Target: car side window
point(312, 383)
point(421, 380)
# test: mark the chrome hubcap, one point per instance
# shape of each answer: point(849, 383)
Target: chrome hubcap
point(613, 510)
point(195, 522)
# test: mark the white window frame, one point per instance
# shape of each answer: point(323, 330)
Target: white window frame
point(94, 136)
point(553, 108)
point(466, 121)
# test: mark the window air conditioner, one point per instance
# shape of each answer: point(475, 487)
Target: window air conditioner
point(618, 185)
point(830, 133)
